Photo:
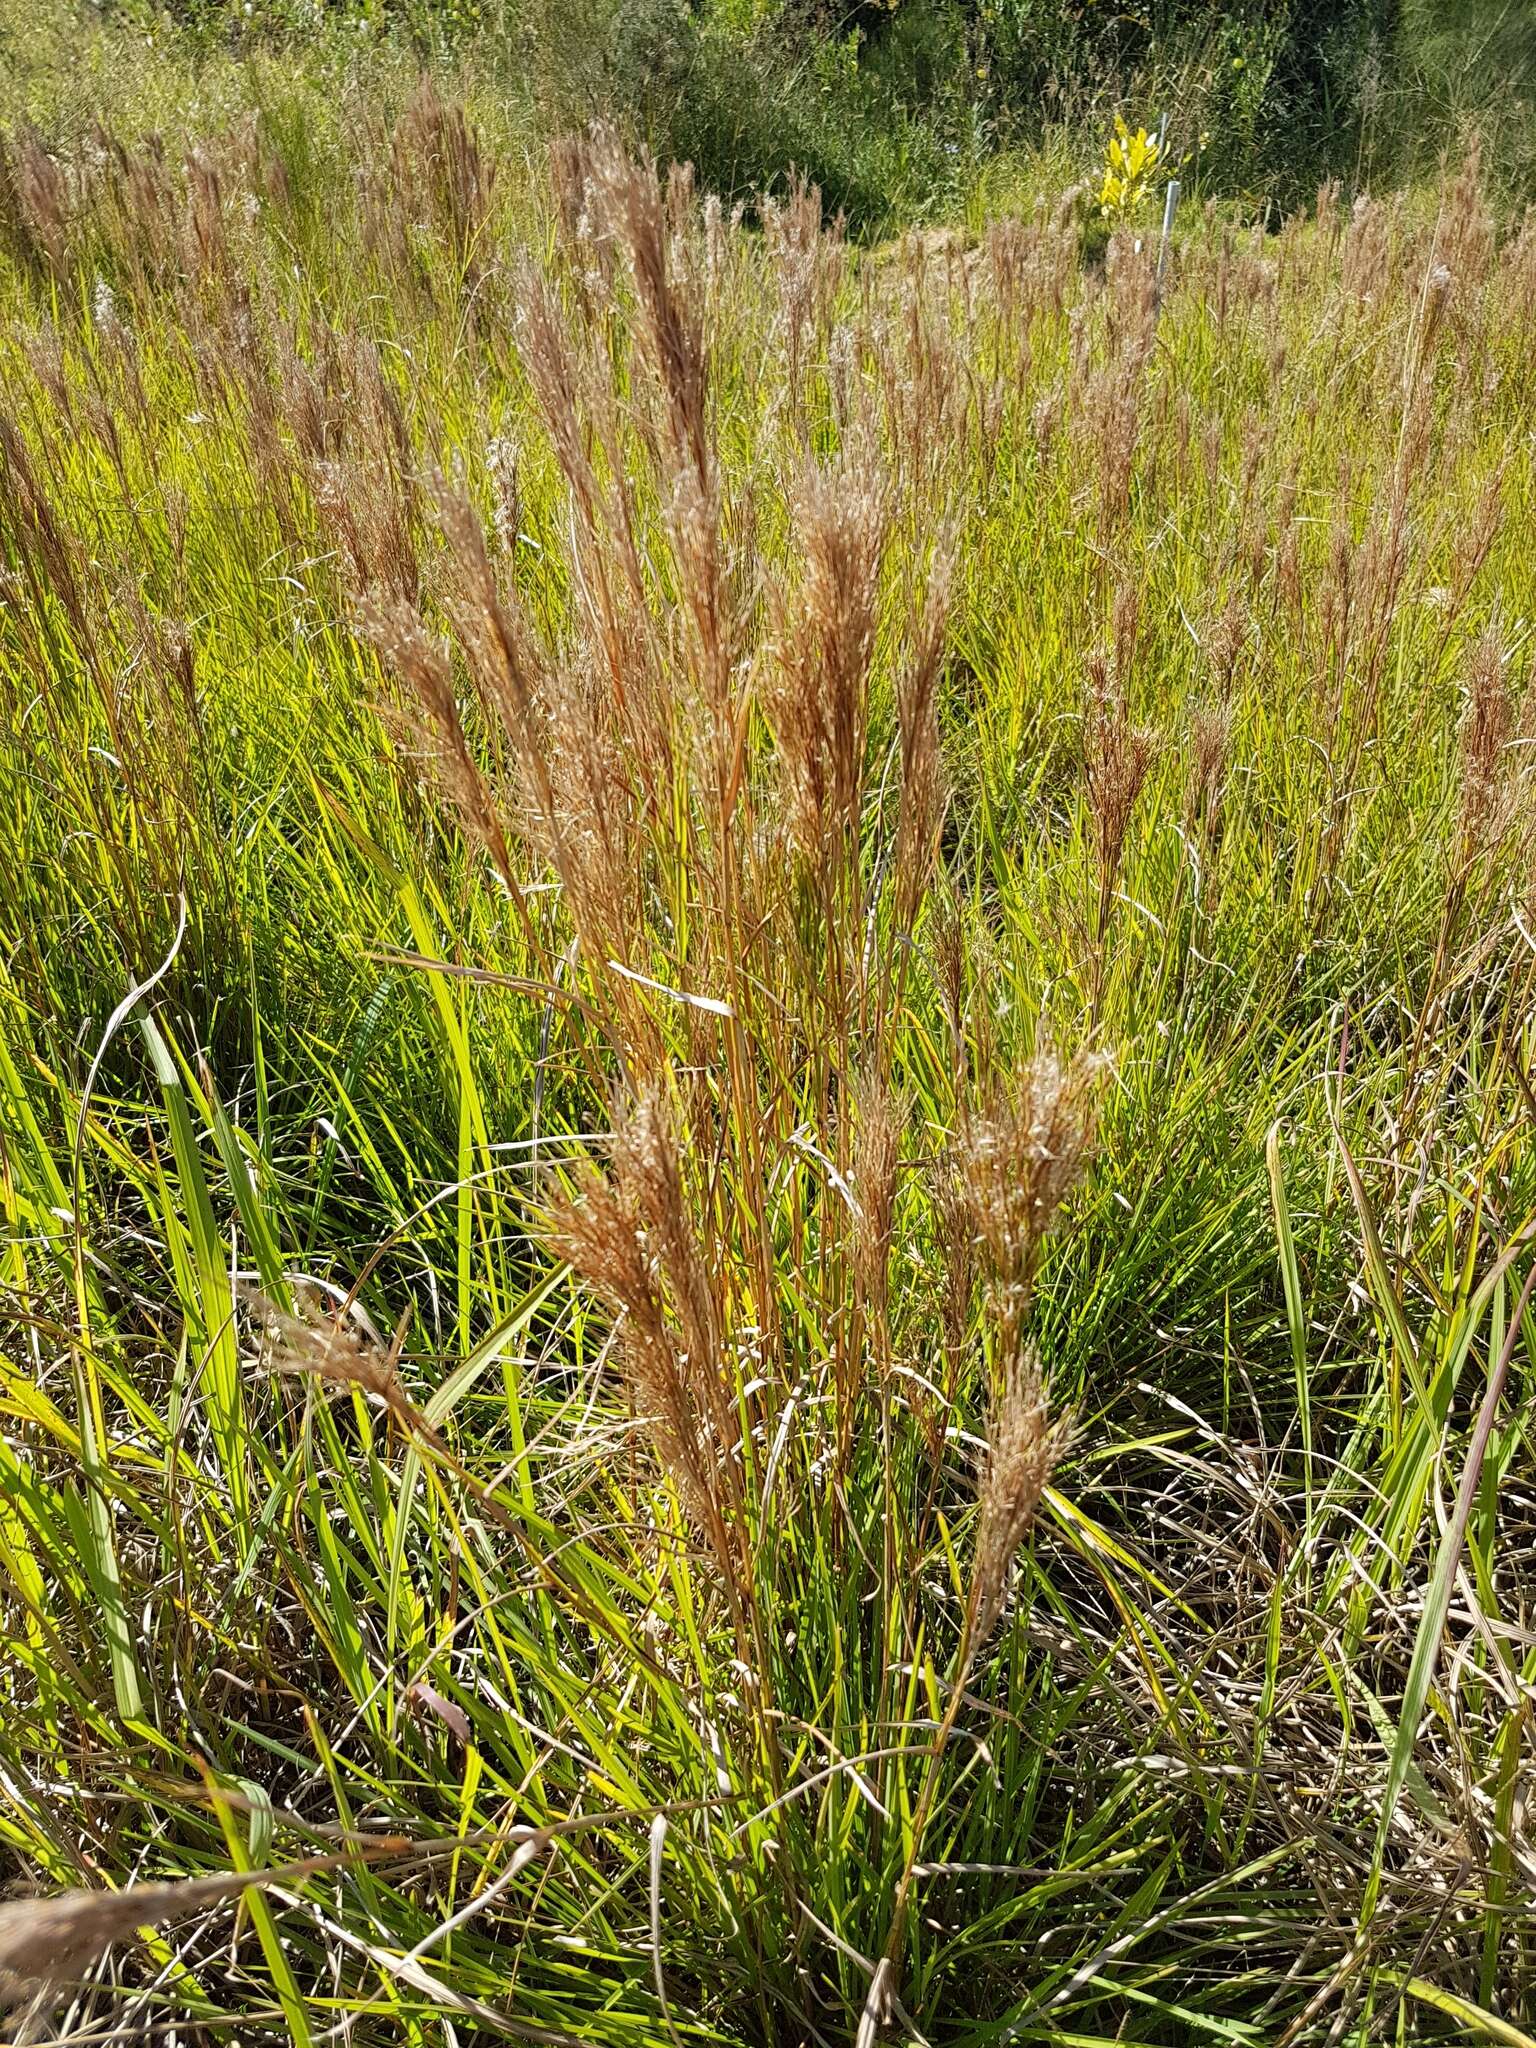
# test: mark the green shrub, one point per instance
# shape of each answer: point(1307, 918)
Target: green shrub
point(748, 92)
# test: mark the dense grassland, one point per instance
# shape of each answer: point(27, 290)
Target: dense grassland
point(766, 1196)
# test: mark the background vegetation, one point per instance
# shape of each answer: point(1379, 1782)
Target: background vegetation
point(766, 1192)
point(897, 109)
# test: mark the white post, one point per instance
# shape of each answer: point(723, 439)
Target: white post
point(1170, 207)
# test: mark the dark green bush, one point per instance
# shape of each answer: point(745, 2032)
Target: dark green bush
point(1284, 90)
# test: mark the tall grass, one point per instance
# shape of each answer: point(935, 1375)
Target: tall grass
point(766, 1154)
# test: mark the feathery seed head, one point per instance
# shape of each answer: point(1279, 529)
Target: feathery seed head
point(1025, 1444)
point(1017, 1163)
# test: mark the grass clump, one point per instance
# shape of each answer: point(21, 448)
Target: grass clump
point(765, 1048)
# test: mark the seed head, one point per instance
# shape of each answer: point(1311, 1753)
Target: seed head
point(1017, 1163)
point(1116, 758)
point(881, 1119)
point(818, 690)
point(922, 769)
point(1025, 1444)
point(1486, 725)
point(628, 1233)
point(318, 1344)
point(1210, 733)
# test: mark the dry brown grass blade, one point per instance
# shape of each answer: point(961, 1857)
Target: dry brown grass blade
point(49, 1942)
